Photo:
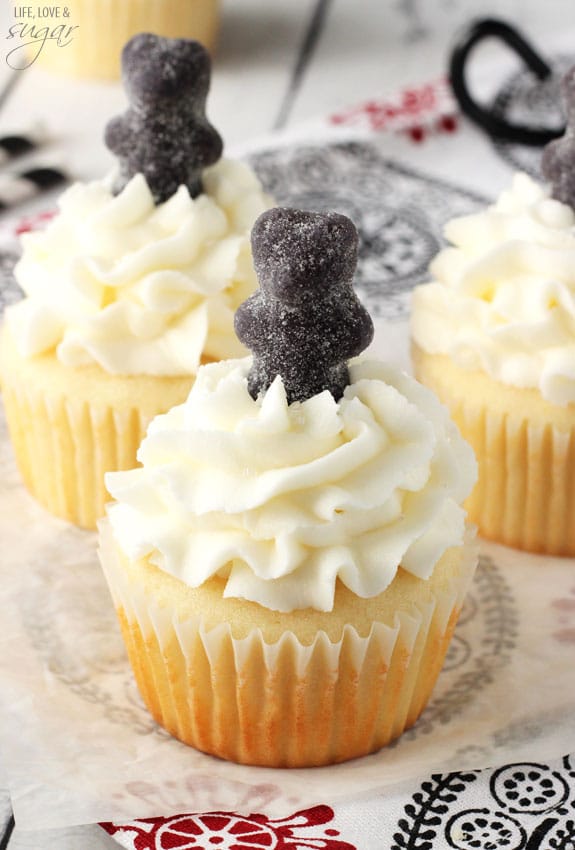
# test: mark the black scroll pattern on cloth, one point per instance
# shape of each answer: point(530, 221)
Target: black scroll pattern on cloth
point(521, 806)
point(399, 212)
point(10, 291)
point(76, 638)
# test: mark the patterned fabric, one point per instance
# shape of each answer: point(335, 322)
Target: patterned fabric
point(523, 806)
point(309, 828)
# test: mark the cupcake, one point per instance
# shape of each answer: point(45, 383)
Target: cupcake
point(87, 36)
point(289, 561)
point(131, 286)
point(494, 335)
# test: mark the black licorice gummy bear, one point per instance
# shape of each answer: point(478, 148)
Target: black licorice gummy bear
point(558, 159)
point(164, 134)
point(305, 321)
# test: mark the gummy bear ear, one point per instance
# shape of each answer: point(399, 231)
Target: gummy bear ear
point(343, 241)
point(138, 48)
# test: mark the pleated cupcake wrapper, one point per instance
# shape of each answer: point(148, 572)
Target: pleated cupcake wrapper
point(525, 496)
point(283, 704)
point(64, 447)
point(104, 26)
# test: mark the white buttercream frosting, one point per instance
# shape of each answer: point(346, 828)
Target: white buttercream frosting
point(503, 295)
point(139, 288)
point(282, 500)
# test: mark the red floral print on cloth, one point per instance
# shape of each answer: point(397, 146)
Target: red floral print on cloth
point(415, 111)
point(229, 831)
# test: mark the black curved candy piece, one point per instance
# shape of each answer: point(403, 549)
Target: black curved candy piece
point(164, 134)
point(558, 160)
point(305, 320)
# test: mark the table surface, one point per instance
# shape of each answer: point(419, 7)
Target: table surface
point(277, 66)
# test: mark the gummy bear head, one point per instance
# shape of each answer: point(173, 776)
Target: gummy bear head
point(158, 70)
point(298, 254)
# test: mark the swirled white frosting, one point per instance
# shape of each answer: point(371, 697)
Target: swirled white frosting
point(503, 296)
point(282, 500)
point(140, 289)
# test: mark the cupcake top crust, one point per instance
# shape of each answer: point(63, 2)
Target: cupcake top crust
point(141, 273)
point(284, 498)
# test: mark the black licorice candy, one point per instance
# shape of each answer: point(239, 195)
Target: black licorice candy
point(164, 134)
point(305, 321)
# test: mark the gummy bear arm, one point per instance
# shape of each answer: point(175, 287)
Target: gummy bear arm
point(118, 136)
point(253, 324)
point(348, 327)
point(207, 138)
point(550, 159)
point(363, 335)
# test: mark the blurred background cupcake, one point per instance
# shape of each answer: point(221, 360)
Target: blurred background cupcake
point(493, 334)
point(102, 27)
point(130, 287)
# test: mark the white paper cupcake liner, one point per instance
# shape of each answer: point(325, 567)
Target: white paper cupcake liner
point(284, 704)
point(525, 450)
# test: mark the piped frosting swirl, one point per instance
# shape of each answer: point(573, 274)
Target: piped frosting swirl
point(502, 298)
point(283, 500)
point(139, 288)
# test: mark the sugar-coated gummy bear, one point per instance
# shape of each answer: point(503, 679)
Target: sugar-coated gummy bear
point(305, 321)
point(164, 134)
point(558, 160)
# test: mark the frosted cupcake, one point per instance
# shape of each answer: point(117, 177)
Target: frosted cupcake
point(290, 560)
point(130, 288)
point(494, 335)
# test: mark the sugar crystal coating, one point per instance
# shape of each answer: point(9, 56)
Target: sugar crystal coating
point(558, 159)
point(305, 321)
point(164, 134)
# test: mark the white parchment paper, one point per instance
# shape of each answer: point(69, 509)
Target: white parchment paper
point(79, 746)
